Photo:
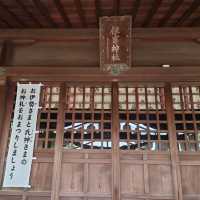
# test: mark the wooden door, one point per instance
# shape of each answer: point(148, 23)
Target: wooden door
point(86, 164)
point(114, 141)
point(145, 162)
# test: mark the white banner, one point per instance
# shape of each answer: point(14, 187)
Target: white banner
point(20, 153)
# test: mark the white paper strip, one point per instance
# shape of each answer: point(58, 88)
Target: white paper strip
point(20, 153)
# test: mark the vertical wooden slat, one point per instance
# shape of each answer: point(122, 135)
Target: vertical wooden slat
point(73, 114)
point(48, 118)
point(102, 117)
point(147, 118)
point(157, 118)
point(146, 174)
point(193, 116)
point(127, 119)
point(6, 127)
point(86, 175)
point(173, 144)
point(137, 116)
point(86, 156)
point(184, 106)
point(83, 119)
point(55, 190)
point(92, 111)
point(39, 118)
point(2, 105)
point(115, 144)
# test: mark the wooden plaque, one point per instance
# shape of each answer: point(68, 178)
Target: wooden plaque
point(115, 43)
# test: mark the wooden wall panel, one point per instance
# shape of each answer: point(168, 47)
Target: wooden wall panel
point(190, 179)
point(71, 198)
point(38, 198)
point(132, 178)
point(87, 173)
point(160, 179)
point(10, 197)
point(60, 54)
point(72, 177)
point(66, 54)
point(41, 176)
point(100, 176)
point(134, 199)
point(99, 198)
point(84, 198)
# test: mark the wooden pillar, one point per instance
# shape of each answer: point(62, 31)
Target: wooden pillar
point(55, 190)
point(2, 104)
point(7, 52)
point(115, 144)
point(173, 144)
point(7, 104)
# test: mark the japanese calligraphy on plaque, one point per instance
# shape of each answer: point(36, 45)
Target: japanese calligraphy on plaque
point(20, 153)
point(115, 43)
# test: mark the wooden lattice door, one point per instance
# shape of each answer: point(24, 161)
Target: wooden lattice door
point(113, 141)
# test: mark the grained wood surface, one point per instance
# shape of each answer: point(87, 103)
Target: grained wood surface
point(88, 174)
point(173, 146)
point(152, 47)
point(80, 13)
point(3, 92)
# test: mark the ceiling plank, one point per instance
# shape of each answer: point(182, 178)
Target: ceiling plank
point(98, 10)
point(116, 6)
point(175, 5)
point(30, 15)
point(195, 4)
point(12, 14)
point(80, 12)
point(45, 13)
point(62, 12)
point(155, 6)
point(136, 6)
point(195, 22)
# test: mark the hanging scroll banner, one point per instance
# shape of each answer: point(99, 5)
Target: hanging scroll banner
point(20, 153)
point(115, 43)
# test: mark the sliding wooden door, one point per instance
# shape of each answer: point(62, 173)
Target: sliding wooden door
point(113, 142)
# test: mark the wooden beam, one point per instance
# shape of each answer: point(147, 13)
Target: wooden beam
point(29, 14)
point(115, 144)
point(6, 53)
point(194, 6)
point(174, 6)
point(12, 14)
point(62, 12)
point(138, 74)
point(136, 6)
point(155, 6)
point(98, 10)
point(45, 13)
point(57, 167)
point(173, 144)
point(80, 12)
point(152, 34)
point(116, 6)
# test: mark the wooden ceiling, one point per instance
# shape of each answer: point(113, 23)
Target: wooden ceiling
point(85, 13)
